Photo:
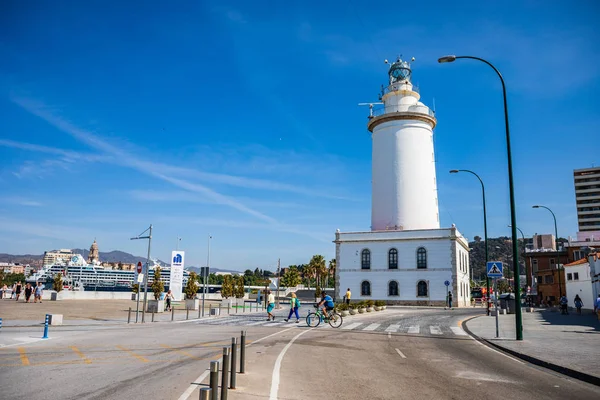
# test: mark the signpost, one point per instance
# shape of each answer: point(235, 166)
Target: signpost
point(447, 283)
point(204, 272)
point(495, 271)
point(176, 275)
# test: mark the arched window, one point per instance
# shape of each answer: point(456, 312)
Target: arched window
point(422, 289)
point(393, 259)
point(393, 288)
point(365, 288)
point(365, 259)
point(421, 257)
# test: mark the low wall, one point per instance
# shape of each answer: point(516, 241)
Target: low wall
point(91, 295)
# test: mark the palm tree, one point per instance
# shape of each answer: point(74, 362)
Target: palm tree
point(307, 272)
point(331, 269)
point(317, 262)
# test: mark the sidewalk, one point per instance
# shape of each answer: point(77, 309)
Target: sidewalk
point(568, 344)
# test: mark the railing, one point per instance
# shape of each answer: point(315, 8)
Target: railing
point(395, 87)
point(418, 109)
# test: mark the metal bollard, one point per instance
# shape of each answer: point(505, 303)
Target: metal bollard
point(129, 315)
point(224, 373)
point(214, 379)
point(244, 309)
point(205, 394)
point(199, 311)
point(236, 307)
point(172, 313)
point(233, 363)
point(143, 315)
point(187, 313)
point(243, 353)
point(46, 327)
point(152, 315)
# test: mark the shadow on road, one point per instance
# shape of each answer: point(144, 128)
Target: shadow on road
point(572, 319)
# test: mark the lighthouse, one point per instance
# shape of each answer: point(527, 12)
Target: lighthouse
point(404, 191)
point(405, 257)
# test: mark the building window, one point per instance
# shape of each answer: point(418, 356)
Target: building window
point(365, 262)
point(569, 277)
point(422, 289)
point(575, 276)
point(548, 279)
point(421, 257)
point(393, 288)
point(365, 288)
point(534, 265)
point(393, 259)
point(552, 263)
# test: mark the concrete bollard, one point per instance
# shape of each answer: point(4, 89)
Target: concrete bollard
point(187, 313)
point(129, 315)
point(232, 380)
point(46, 327)
point(205, 394)
point(214, 379)
point(224, 373)
point(243, 353)
point(152, 315)
point(199, 311)
point(172, 313)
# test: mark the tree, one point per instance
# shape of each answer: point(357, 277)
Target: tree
point(157, 285)
point(191, 288)
point(291, 277)
point(477, 239)
point(57, 285)
point(317, 262)
point(239, 287)
point(227, 287)
point(331, 270)
point(309, 272)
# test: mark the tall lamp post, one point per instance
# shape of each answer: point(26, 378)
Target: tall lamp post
point(513, 216)
point(149, 237)
point(557, 250)
point(487, 281)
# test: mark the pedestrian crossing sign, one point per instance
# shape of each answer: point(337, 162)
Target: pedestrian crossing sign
point(494, 269)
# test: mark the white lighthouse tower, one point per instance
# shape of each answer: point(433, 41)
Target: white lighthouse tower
point(404, 195)
point(405, 258)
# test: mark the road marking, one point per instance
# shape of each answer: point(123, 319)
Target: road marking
point(24, 359)
point(268, 336)
point(414, 329)
point(179, 351)
point(80, 354)
point(372, 327)
point(141, 358)
point(435, 330)
point(277, 367)
point(392, 328)
point(256, 323)
point(352, 326)
point(399, 352)
point(458, 331)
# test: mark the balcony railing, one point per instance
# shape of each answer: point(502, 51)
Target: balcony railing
point(417, 109)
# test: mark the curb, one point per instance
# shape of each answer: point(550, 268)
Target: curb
point(582, 376)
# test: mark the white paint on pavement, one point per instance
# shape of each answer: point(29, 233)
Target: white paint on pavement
point(257, 323)
point(414, 329)
point(352, 326)
point(458, 331)
point(392, 328)
point(372, 327)
point(435, 330)
point(400, 353)
point(277, 368)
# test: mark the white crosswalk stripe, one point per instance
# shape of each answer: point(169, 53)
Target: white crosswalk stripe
point(435, 330)
point(352, 326)
point(257, 323)
point(392, 328)
point(414, 329)
point(458, 331)
point(372, 327)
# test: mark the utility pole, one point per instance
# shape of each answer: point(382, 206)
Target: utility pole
point(206, 273)
point(278, 280)
point(147, 269)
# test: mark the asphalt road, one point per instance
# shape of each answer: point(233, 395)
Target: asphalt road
point(164, 360)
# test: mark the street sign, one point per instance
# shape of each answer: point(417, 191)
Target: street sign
point(204, 271)
point(139, 267)
point(140, 278)
point(447, 283)
point(494, 269)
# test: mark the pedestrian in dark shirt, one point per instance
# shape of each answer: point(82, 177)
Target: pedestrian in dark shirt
point(28, 292)
point(18, 290)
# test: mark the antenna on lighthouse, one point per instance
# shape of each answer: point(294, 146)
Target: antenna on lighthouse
point(370, 107)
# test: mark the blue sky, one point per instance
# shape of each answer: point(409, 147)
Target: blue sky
point(240, 119)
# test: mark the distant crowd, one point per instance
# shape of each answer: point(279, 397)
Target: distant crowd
point(17, 291)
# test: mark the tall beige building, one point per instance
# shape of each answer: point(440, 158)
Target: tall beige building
point(94, 255)
point(587, 197)
point(51, 257)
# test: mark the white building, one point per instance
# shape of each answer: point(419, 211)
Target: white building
point(406, 258)
point(583, 279)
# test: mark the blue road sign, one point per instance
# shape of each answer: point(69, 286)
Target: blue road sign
point(447, 283)
point(494, 269)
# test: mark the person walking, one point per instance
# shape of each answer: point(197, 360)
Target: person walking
point(28, 292)
point(18, 288)
point(39, 291)
point(294, 306)
point(597, 306)
point(578, 304)
point(449, 299)
point(564, 305)
point(3, 292)
point(270, 305)
point(348, 296)
point(168, 298)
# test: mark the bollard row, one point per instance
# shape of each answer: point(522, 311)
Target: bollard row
point(228, 372)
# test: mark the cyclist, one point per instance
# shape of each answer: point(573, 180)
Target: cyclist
point(326, 303)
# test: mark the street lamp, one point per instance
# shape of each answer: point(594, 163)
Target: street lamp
point(513, 216)
point(149, 237)
point(487, 281)
point(557, 250)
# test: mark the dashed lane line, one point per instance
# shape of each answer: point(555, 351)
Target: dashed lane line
point(81, 355)
point(23, 355)
point(131, 353)
point(400, 353)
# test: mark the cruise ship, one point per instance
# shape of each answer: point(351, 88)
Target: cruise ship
point(79, 275)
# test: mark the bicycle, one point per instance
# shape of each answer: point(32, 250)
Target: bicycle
point(313, 319)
